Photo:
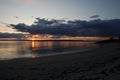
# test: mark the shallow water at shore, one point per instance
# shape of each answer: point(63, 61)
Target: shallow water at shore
point(22, 49)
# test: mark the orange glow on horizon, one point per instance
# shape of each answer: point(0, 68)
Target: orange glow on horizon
point(34, 57)
point(32, 38)
point(67, 38)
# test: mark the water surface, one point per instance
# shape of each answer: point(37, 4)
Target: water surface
point(20, 49)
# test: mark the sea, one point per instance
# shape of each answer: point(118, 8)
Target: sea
point(33, 49)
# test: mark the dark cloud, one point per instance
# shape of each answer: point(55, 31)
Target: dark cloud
point(16, 17)
point(11, 35)
point(72, 28)
point(95, 16)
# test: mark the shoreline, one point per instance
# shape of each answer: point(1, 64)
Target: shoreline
point(97, 64)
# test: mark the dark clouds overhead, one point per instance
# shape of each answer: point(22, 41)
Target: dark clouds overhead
point(11, 35)
point(95, 16)
point(72, 28)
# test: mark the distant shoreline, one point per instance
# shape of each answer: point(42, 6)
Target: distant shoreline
point(57, 39)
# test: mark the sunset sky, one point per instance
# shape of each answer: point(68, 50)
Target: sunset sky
point(26, 11)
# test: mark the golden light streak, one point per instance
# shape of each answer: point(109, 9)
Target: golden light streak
point(33, 44)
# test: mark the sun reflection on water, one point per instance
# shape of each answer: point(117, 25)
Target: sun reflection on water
point(33, 44)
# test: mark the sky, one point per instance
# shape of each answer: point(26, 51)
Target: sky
point(26, 11)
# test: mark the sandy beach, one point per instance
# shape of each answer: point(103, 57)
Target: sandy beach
point(102, 63)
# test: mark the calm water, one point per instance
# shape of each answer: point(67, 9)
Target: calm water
point(33, 49)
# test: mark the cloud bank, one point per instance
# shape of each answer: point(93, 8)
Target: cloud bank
point(71, 27)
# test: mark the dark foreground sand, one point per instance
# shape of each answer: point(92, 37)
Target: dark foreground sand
point(99, 64)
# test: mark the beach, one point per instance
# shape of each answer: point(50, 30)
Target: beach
point(101, 63)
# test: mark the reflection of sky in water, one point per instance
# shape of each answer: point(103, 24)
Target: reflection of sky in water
point(19, 49)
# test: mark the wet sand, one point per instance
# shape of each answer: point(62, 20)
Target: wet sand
point(102, 63)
